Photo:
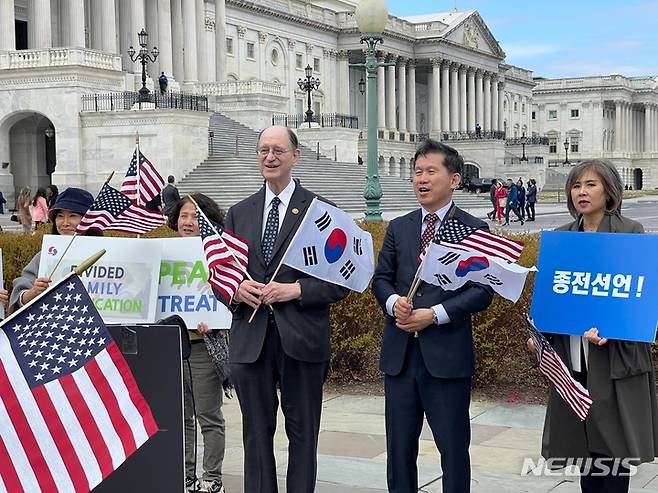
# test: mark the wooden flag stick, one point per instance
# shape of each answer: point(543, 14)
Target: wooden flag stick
point(84, 265)
point(63, 254)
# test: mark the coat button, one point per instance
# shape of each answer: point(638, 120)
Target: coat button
point(267, 279)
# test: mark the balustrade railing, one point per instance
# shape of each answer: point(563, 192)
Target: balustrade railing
point(325, 120)
point(118, 101)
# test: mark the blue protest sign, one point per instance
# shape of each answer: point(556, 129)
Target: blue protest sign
point(603, 280)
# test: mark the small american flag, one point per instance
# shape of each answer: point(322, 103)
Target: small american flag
point(459, 235)
point(553, 368)
point(113, 210)
point(70, 408)
point(227, 257)
point(150, 181)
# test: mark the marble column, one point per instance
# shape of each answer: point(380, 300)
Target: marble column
point(462, 99)
point(343, 65)
point(470, 91)
point(411, 97)
point(153, 30)
point(494, 103)
point(7, 26)
point(108, 26)
point(479, 103)
point(188, 8)
point(617, 138)
point(487, 102)
point(138, 18)
point(381, 96)
point(445, 96)
point(653, 146)
point(177, 40)
point(436, 95)
point(96, 32)
point(402, 94)
point(39, 33)
point(454, 97)
point(76, 23)
point(202, 47)
point(164, 37)
point(390, 96)
point(501, 109)
point(220, 41)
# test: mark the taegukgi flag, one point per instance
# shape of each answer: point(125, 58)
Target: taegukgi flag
point(451, 268)
point(330, 246)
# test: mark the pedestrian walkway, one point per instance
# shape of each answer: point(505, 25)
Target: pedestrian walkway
point(352, 450)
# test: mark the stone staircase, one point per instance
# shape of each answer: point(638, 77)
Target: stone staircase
point(230, 174)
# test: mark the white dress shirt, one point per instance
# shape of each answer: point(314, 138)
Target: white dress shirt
point(439, 311)
point(574, 345)
point(284, 197)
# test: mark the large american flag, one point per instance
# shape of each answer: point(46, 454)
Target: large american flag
point(113, 210)
point(227, 257)
point(150, 181)
point(556, 372)
point(459, 235)
point(70, 408)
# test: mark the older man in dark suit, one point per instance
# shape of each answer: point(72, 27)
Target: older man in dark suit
point(287, 343)
point(427, 351)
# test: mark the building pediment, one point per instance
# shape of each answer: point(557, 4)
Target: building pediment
point(471, 32)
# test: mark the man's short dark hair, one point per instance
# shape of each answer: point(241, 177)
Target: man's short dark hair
point(170, 179)
point(292, 138)
point(451, 158)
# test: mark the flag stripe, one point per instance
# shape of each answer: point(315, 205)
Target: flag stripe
point(61, 438)
point(76, 433)
point(109, 401)
point(8, 474)
point(89, 426)
point(101, 415)
point(135, 395)
point(128, 409)
point(20, 423)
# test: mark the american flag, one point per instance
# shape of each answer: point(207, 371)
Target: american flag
point(113, 210)
point(553, 368)
point(459, 235)
point(70, 409)
point(150, 181)
point(227, 257)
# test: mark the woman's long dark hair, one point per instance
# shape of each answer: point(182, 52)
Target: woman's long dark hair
point(207, 205)
point(41, 192)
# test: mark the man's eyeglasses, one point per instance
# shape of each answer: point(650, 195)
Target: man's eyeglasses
point(264, 151)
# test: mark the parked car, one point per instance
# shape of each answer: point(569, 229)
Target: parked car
point(479, 185)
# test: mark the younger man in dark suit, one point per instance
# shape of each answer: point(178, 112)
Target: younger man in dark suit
point(287, 343)
point(427, 350)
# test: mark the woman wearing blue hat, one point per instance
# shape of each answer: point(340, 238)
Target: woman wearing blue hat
point(66, 213)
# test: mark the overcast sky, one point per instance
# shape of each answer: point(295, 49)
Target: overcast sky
point(560, 38)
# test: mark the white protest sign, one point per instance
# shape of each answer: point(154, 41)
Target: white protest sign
point(123, 283)
point(184, 288)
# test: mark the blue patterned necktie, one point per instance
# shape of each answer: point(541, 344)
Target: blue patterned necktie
point(271, 230)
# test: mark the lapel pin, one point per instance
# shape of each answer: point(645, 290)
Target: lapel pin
point(295, 210)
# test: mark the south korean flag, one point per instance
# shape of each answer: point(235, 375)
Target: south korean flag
point(330, 246)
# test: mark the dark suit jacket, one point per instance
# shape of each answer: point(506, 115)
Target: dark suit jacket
point(170, 196)
point(303, 324)
point(447, 349)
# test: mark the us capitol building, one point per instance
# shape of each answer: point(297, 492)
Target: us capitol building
point(69, 110)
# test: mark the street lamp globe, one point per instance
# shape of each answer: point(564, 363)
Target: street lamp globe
point(142, 36)
point(371, 16)
point(362, 86)
point(308, 71)
point(566, 144)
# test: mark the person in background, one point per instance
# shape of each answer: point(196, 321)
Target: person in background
point(65, 215)
point(531, 199)
point(501, 202)
point(202, 390)
point(163, 81)
point(512, 202)
point(39, 209)
point(23, 203)
point(51, 195)
point(492, 197)
point(522, 197)
point(623, 420)
point(170, 196)
point(3, 201)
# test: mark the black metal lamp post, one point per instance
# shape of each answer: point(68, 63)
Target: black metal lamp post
point(362, 86)
point(523, 143)
point(566, 151)
point(144, 57)
point(308, 84)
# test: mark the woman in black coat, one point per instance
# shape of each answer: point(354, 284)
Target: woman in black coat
point(622, 424)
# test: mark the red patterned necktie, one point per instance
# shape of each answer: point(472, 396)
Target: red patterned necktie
point(430, 230)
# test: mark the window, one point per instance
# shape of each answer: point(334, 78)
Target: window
point(533, 116)
point(316, 65)
point(316, 109)
point(229, 46)
point(251, 51)
point(575, 113)
point(552, 145)
point(299, 106)
point(299, 61)
point(573, 141)
point(274, 57)
point(552, 114)
point(516, 106)
point(505, 105)
point(523, 108)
